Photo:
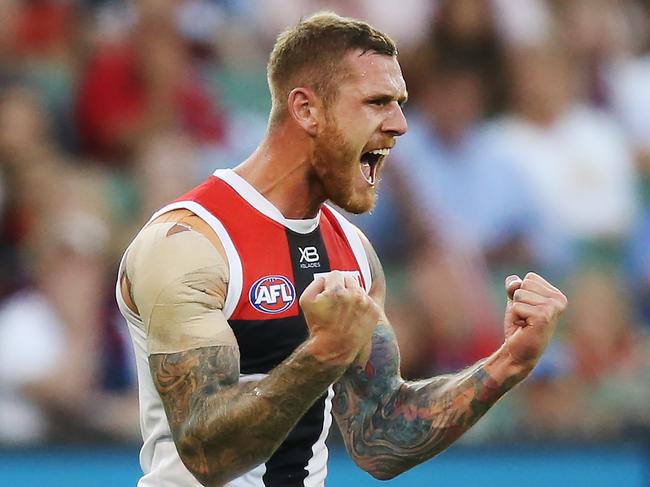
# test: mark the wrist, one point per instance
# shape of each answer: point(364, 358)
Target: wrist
point(330, 351)
point(505, 370)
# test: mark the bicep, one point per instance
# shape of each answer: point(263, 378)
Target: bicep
point(364, 390)
point(369, 382)
point(380, 376)
point(382, 358)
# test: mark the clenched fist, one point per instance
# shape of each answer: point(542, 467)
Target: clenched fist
point(532, 312)
point(340, 316)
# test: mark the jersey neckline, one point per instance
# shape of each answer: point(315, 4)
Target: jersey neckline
point(264, 206)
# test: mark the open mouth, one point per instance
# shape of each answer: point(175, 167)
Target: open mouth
point(370, 161)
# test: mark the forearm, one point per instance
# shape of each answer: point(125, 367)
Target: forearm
point(231, 428)
point(390, 425)
point(411, 422)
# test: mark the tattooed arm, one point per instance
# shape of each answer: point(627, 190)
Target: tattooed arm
point(223, 428)
point(176, 280)
point(390, 425)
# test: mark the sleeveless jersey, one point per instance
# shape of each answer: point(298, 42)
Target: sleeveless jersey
point(271, 260)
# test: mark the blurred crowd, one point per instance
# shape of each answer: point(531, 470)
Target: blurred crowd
point(528, 149)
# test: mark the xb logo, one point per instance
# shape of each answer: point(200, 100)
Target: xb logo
point(309, 257)
point(308, 254)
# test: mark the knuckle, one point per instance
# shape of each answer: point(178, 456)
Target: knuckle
point(338, 290)
point(556, 303)
point(358, 293)
point(559, 302)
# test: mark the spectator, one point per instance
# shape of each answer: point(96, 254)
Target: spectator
point(577, 165)
point(143, 85)
point(49, 337)
point(466, 33)
point(611, 357)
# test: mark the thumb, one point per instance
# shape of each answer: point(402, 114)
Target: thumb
point(513, 282)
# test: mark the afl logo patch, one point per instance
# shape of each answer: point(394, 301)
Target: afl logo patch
point(272, 294)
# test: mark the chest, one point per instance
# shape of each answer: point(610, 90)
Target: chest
point(277, 265)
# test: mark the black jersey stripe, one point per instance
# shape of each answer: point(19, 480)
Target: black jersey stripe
point(288, 465)
point(264, 344)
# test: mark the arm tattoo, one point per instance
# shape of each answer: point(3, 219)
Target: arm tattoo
point(390, 425)
point(223, 428)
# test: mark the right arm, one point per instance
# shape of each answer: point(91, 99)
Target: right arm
point(221, 427)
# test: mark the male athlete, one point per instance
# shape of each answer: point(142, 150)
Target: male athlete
point(256, 310)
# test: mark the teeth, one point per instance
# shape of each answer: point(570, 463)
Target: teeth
point(380, 152)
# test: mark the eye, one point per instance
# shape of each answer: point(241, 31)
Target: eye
point(380, 101)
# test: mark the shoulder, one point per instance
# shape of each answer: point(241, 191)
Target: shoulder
point(188, 220)
point(175, 239)
point(173, 245)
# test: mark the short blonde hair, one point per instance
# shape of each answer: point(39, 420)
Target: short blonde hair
point(311, 53)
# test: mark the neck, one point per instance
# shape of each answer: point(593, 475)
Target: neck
point(280, 169)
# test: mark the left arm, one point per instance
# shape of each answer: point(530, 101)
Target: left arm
point(390, 425)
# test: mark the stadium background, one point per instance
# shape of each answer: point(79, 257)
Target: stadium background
point(528, 149)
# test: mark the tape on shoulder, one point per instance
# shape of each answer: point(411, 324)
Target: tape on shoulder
point(179, 282)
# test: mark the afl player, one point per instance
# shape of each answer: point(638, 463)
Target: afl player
point(256, 310)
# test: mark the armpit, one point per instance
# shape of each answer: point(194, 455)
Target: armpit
point(178, 283)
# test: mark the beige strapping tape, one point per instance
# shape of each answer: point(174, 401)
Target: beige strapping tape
point(179, 285)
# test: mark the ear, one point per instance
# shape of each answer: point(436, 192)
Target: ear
point(306, 109)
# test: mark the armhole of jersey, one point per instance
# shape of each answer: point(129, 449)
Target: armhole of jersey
point(358, 250)
point(235, 281)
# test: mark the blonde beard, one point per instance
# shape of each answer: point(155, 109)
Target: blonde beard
point(337, 174)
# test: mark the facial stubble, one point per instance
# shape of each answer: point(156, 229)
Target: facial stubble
point(337, 166)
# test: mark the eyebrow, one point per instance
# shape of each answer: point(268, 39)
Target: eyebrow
point(387, 99)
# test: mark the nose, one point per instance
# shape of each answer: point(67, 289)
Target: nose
point(395, 123)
